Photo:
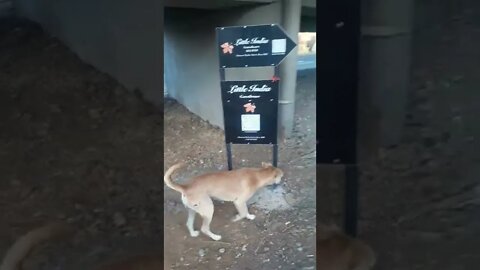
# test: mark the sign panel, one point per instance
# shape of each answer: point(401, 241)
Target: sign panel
point(252, 46)
point(250, 111)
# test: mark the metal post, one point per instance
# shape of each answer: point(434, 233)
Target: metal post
point(275, 155)
point(228, 145)
point(229, 156)
point(276, 72)
point(351, 199)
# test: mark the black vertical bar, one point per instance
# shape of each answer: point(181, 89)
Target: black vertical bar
point(222, 74)
point(275, 155)
point(229, 156)
point(229, 145)
point(276, 72)
point(351, 199)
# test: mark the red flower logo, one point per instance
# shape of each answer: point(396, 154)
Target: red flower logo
point(249, 107)
point(227, 48)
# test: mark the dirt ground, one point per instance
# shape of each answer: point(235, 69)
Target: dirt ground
point(77, 146)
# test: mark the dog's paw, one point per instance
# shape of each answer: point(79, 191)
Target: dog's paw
point(194, 233)
point(216, 237)
point(236, 218)
point(250, 216)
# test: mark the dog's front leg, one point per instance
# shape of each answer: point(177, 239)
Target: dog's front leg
point(242, 211)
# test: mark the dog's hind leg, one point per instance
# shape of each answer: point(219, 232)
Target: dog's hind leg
point(190, 221)
point(206, 210)
point(242, 211)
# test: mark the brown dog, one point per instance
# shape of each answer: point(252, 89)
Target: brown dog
point(337, 251)
point(22, 247)
point(236, 186)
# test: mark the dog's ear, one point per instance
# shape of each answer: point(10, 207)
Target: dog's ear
point(266, 165)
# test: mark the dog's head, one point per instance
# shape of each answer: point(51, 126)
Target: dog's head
point(278, 173)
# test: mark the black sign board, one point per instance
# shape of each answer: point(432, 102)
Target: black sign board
point(252, 46)
point(250, 111)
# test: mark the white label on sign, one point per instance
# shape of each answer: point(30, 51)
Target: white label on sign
point(250, 122)
point(279, 46)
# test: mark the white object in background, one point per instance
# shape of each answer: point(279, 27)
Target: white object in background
point(250, 122)
point(279, 46)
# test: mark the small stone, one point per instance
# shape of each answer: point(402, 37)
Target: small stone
point(201, 252)
point(55, 108)
point(445, 136)
point(119, 220)
point(93, 113)
point(457, 78)
point(429, 142)
point(266, 249)
point(244, 247)
point(15, 183)
point(219, 258)
point(222, 250)
point(290, 198)
point(71, 220)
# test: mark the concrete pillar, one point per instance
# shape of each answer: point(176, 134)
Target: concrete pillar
point(6, 8)
point(291, 13)
point(384, 74)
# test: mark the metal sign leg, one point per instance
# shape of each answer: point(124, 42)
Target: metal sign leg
point(275, 155)
point(351, 199)
point(229, 156)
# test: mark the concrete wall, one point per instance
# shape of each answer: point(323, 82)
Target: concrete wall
point(191, 60)
point(120, 37)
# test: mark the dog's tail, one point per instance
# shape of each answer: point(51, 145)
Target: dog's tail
point(22, 247)
point(168, 179)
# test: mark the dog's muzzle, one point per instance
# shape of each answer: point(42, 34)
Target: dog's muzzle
point(273, 186)
point(277, 181)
